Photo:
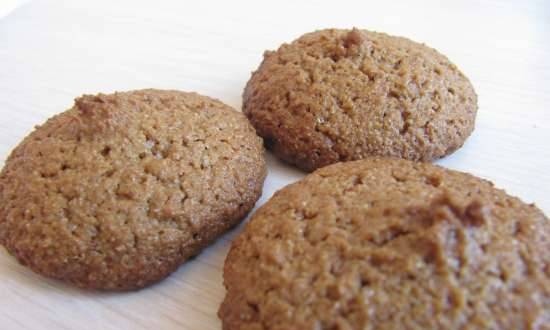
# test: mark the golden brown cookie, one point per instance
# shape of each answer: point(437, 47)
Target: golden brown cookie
point(116, 192)
point(390, 244)
point(340, 95)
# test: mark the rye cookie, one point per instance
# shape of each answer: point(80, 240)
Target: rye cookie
point(340, 95)
point(390, 244)
point(118, 191)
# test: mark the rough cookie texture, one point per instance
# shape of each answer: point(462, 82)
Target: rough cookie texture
point(116, 192)
point(340, 95)
point(390, 244)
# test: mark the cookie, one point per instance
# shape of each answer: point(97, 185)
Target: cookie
point(118, 191)
point(341, 95)
point(390, 244)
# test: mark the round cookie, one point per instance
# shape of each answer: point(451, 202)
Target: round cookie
point(390, 244)
point(116, 192)
point(340, 95)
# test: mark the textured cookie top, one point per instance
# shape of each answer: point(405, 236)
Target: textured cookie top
point(339, 95)
point(390, 244)
point(117, 191)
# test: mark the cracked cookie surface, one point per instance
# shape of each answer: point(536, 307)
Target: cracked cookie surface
point(116, 192)
point(390, 244)
point(340, 95)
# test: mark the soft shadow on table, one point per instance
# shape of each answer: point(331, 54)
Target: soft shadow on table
point(200, 280)
point(23, 276)
point(278, 176)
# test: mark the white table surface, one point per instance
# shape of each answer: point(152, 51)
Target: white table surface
point(53, 51)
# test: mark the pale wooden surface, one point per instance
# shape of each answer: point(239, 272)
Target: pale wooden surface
point(51, 52)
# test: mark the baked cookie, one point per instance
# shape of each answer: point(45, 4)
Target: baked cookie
point(116, 192)
point(390, 244)
point(340, 95)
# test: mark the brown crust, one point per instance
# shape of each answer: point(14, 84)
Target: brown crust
point(118, 191)
point(340, 95)
point(390, 244)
